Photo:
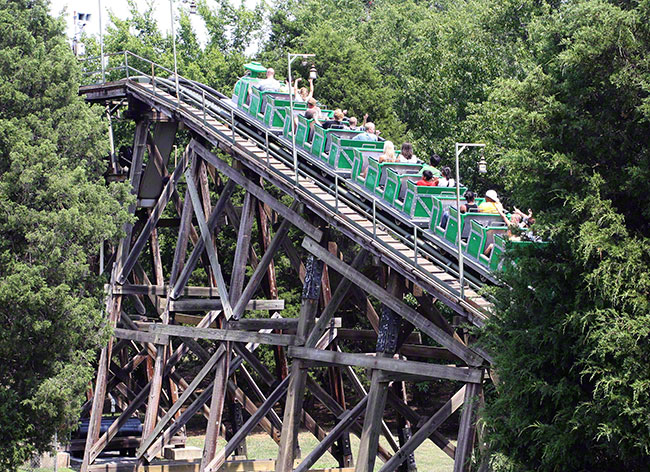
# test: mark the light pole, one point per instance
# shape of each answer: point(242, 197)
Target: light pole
point(290, 58)
point(460, 147)
point(101, 43)
point(171, 14)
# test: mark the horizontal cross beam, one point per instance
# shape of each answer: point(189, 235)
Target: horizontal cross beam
point(224, 335)
point(420, 369)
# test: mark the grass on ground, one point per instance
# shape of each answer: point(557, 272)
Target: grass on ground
point(428, 456)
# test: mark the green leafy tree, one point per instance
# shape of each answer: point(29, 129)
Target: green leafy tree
point(571, 340)
point(55, 210)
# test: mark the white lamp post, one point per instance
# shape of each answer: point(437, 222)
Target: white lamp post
point(290, 58)
point(460, 147)
point(171, 14)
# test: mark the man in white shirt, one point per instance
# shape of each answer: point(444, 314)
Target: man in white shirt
point(368, 135)
point(270, 84)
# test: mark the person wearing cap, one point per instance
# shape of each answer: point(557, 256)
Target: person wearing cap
point(312, 111)
point(491, 203)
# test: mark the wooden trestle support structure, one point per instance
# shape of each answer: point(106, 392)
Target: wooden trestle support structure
point(216, 162)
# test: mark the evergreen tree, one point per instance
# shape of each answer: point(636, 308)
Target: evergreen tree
point(571, 337)
point(55, 210)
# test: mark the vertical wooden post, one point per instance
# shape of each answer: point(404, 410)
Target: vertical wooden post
point(404, 430)
point(467, 428)
point(289, 449)
point(389, 327)
point(341, 450)
point(114, 302)
point(271, 286)
point(216, 408)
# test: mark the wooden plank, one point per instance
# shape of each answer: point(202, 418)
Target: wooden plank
point(160, 290)
point(255, 324)
point(395, 304)
point(224, 335)
point(425, 431)
point(140, 336)
point(209, 304)
point(258, 192)
point(248, 323)
point(419, 369)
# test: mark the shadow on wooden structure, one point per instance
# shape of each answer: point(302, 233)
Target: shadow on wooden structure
point(160, 319)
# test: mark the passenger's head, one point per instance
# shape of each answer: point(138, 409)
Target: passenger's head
point(427, 175)
point(370, 127)
point(311, 103)
point(446, 172)
point(407, 150)
point(491, 196)
point(435, 160)
point(303, 92)
point(469, 196)
point(353, 122)
point(270, 73)
point(389, 149)
point(338, 114)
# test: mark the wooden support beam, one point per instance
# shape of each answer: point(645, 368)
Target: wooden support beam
point(161, 290)
point(255, 324)
point(258, 274)
point(219, 387)
point(295, 396)
point(387, 344)
point(224, 198)
point(209, 304)
point(113, 303)
point(405, 411)
point(224, 335)
point(207, 367)
point(395, 304)
point(209, 245)
point(218, 461)
point(140, 336)
point(421, 370)
point(242, 248)
point(467, 429)
point(425, 431)
point(344, 423)
point(259, 193)
point(155, 215)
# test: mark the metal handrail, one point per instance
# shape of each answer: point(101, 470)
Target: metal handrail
point(212, 105)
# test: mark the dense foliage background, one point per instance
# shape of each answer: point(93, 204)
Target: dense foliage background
point(55, 209)
point(558, 90)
